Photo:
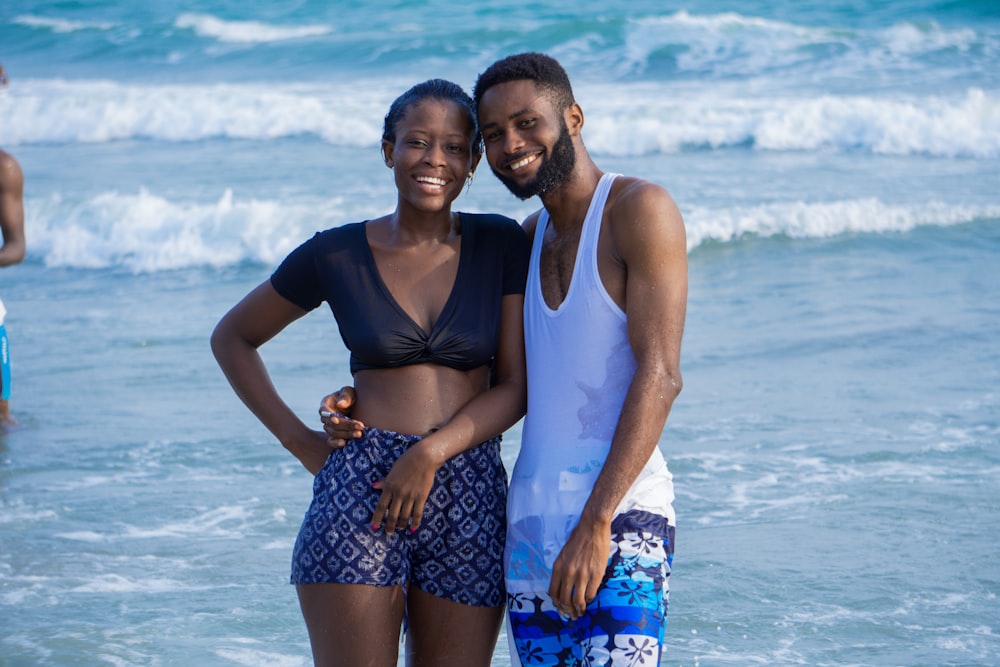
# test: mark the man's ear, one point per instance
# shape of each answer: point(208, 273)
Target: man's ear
point(573, 115)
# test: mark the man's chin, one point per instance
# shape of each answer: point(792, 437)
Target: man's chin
point(525, 191)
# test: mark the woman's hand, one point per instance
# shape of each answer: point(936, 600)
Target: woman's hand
point(405, 490)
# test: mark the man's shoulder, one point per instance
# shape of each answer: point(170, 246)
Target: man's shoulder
point(628, 192)
point(642, 215)
point(10, 170)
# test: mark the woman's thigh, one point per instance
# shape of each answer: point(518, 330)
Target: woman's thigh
point(352, 625)
point(443, 633)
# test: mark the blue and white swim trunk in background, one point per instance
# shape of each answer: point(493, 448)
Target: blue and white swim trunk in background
point(624, 624)
point(4, 356)
point(4, 364)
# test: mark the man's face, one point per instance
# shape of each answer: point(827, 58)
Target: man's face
point(528, 144)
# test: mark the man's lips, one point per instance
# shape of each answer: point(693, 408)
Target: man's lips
point(522, 161)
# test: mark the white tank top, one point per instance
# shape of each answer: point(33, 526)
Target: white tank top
point(580, 366)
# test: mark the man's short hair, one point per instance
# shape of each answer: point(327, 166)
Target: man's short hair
point(544, 70)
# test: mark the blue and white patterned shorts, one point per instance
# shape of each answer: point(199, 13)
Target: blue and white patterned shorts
point(624, 624)
point(4, 364)
point(456, 553)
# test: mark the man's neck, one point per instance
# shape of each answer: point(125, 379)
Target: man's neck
point(567, 204)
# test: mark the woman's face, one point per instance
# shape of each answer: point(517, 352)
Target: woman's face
point(433, 154)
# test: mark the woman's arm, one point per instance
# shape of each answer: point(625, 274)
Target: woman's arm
point(490, 413)
point(260, 316)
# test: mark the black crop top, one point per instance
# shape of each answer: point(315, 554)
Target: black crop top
point(337, 266)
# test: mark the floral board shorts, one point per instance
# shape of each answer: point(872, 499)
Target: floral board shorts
point(624, 624)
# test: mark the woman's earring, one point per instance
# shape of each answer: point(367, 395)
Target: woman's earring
point(390, 164)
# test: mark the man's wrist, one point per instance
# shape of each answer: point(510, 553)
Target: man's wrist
point(595, 519)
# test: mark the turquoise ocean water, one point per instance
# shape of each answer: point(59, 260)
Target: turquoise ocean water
point(836, 449)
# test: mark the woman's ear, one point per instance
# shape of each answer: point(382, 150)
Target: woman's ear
point(476, 157)
point(387, 153)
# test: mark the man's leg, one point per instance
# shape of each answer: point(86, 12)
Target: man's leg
point(625, 623)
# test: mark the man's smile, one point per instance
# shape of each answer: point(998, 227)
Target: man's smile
point(522, 161)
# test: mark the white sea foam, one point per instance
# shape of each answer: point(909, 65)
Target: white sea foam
point(147, 232)
point(646, 121)
point(16, 512)
point(61, 26)
point(214, 522)
point(622, 119)
point(824, 219)
point(56, 111)
point(116, 583)
point(728, 44)
point(84, 536)
point(258, 658)
point(246, 32)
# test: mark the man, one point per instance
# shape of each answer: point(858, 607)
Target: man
point(12, 252)
point(590, 518)
point(590, 522)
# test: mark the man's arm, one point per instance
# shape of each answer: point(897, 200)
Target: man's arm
point(649, 238)
point(11, 210)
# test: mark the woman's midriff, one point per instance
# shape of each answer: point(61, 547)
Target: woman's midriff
point(415, 399)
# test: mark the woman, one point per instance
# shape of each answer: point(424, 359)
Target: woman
point(408, 520)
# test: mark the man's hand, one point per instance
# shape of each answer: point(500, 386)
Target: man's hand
point(335, 410)
point(580, 567)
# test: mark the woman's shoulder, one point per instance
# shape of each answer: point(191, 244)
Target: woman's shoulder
point(492, 223)
point(347, 233)
point(488, 218)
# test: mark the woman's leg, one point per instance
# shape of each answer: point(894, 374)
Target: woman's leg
point(352, 625)
point(443, 633)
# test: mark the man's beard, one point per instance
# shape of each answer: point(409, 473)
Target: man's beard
point(551, 174)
